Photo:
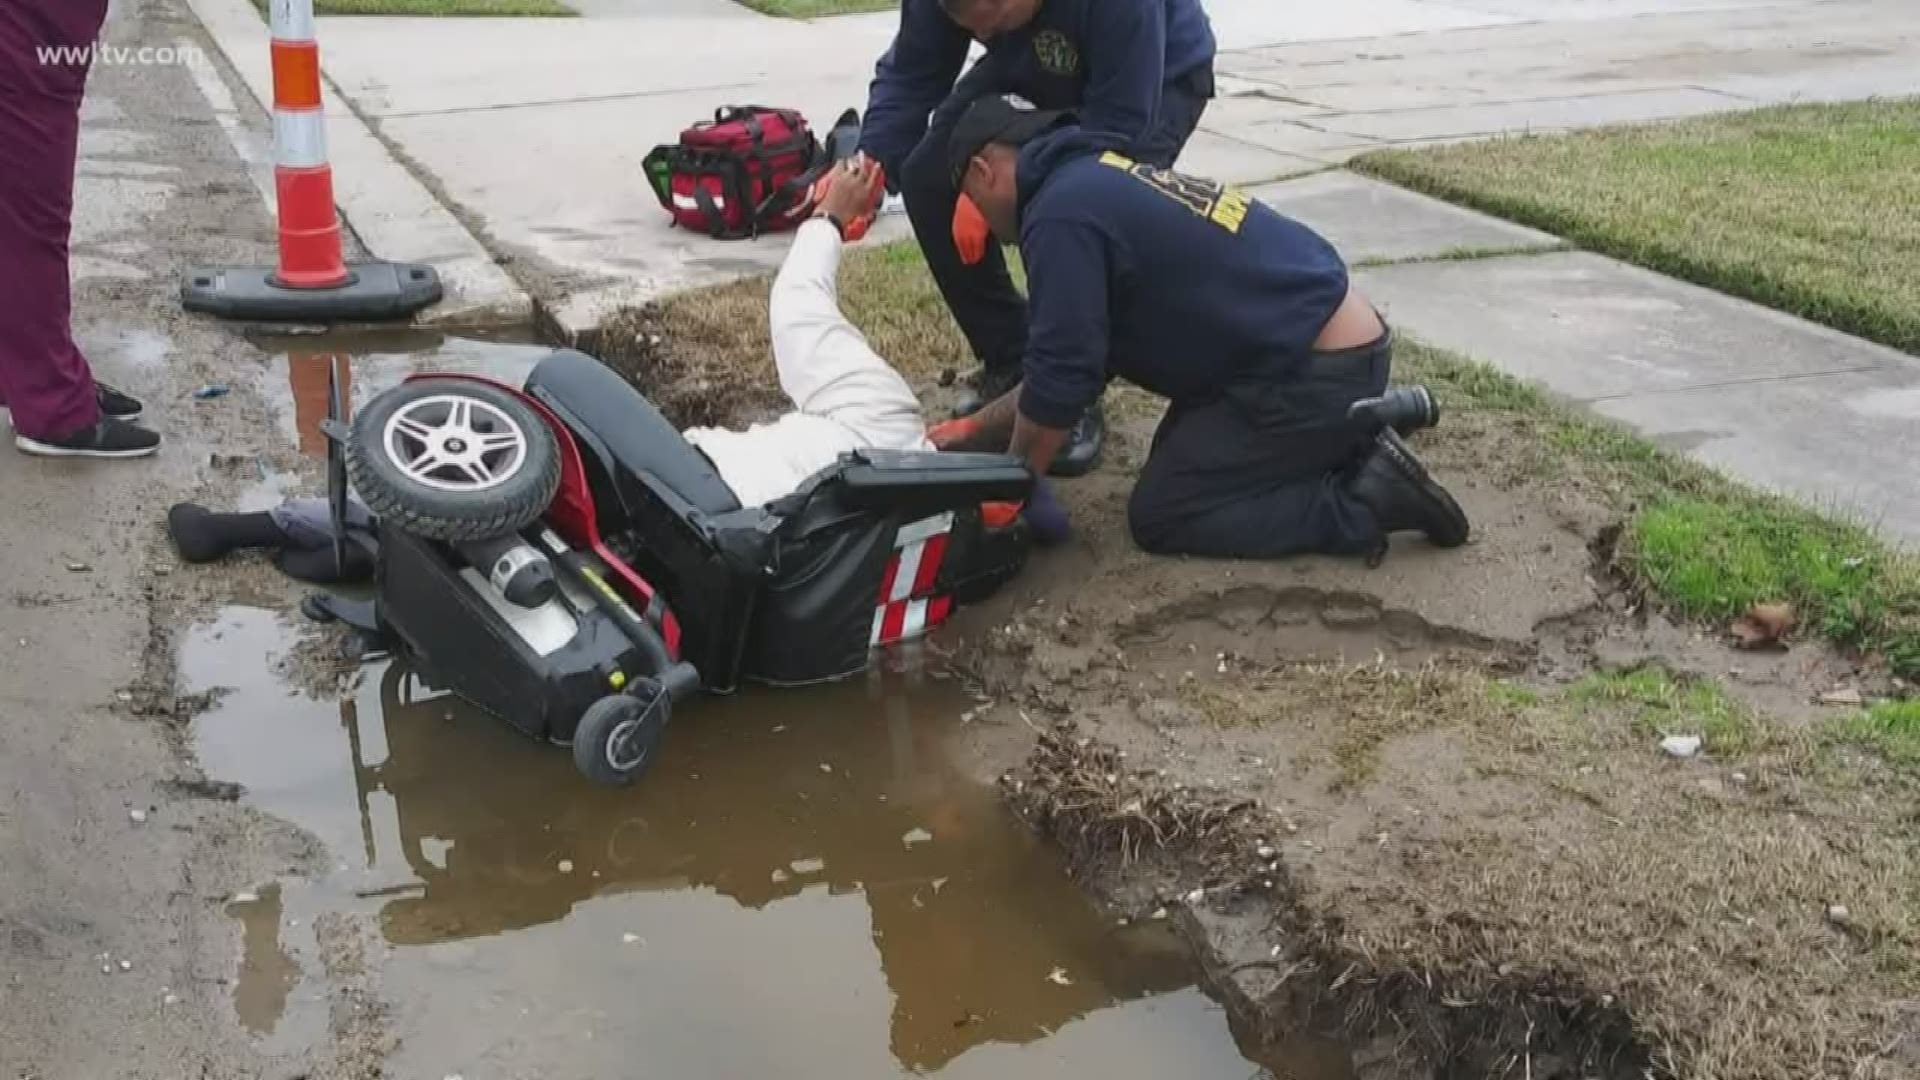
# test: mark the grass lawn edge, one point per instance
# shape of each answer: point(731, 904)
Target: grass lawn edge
point(1705, 545)
point(1865, 316)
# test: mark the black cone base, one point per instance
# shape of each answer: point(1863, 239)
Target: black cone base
point(374, 292)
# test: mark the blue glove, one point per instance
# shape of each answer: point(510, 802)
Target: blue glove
point(1046, 517)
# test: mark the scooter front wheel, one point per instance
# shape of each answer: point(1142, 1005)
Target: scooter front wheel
point(618, 735)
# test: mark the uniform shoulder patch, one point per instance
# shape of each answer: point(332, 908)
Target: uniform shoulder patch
point(1056, 53)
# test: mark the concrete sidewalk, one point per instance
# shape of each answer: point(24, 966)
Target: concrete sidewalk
point(1773, 400)
point(534, 129)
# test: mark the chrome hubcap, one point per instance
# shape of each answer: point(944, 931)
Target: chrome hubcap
point(455, 443)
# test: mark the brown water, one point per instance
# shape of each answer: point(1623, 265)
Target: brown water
point(806, 884)
point(266, 974)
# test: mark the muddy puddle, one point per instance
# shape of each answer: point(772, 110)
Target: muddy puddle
point(807, 884)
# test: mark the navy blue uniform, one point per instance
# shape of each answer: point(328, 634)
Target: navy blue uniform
point(1138, 72)
point(1213, 300)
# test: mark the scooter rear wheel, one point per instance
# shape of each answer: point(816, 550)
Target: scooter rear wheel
point(453, 460)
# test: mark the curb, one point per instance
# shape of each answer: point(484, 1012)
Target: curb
point(386, 207)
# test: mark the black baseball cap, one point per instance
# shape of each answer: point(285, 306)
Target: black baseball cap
point(997, 118)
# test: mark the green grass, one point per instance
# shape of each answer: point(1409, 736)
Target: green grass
point(437, 7)
point(1512, 696)
point(1806, 208)
point(1664, 705)
point(1890, 729)
point(1705, 545)
point(814, 9)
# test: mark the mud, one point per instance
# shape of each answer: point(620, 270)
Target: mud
point(1270, 754)
point(1342, 784)
point(808, 883)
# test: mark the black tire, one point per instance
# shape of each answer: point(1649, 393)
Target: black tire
point(437, 508)
point(617, 735)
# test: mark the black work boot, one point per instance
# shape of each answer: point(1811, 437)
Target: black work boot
point(1085, 443)
point(1403, 497)
point(1405, 409)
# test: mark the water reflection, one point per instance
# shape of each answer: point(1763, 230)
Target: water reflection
point(804, 885)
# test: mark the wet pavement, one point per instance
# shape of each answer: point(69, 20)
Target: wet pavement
point(807, 883)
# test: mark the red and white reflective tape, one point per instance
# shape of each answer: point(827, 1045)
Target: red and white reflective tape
point(907, 609)
point(310, 246)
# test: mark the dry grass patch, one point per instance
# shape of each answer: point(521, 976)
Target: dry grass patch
point(1751, 913)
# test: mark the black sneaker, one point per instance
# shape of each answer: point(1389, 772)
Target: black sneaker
point(110, 438)
point(1404, 497)
point(114, 403)
point(1405, 409)
point(117, 404)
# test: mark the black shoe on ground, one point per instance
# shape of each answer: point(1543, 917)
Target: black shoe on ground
point(1085, 444)
point(1405, 409)
point(117, 404)
point(1404, 497)
point(110, 438)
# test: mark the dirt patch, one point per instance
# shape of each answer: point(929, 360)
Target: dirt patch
point(1426, 806)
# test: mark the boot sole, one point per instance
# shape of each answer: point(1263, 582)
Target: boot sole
point(1429, 418)
point(40, 449)
point(1439, 500)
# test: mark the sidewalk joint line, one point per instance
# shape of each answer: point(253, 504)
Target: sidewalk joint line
point(1758, 380)
point(589, 100)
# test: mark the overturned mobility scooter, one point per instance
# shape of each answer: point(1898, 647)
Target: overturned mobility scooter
point(558, 555)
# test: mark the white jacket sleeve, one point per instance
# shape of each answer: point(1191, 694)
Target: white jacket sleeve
point(825, 363)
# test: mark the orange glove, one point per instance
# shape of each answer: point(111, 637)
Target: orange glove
point(876, 193)
point(876, 189)
point(857, 228)
point(970, 231)
point(953, 434)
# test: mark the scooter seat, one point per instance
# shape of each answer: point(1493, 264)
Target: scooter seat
point(631, 430)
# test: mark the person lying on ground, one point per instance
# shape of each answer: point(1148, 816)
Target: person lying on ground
point(845, 398)
point(57, 408)
point(1243, 319)
point(1141, 73)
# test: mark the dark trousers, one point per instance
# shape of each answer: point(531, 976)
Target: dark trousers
point(43, 377)
point(1261, 471)
point(991, 312)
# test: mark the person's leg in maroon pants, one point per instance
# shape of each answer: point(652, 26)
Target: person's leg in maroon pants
point(58, 408)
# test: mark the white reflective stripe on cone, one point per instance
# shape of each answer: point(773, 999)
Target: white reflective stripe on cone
point(879, 623)
point(292, 20)
point(299, 139)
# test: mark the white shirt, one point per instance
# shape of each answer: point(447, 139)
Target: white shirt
point(845, 396)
